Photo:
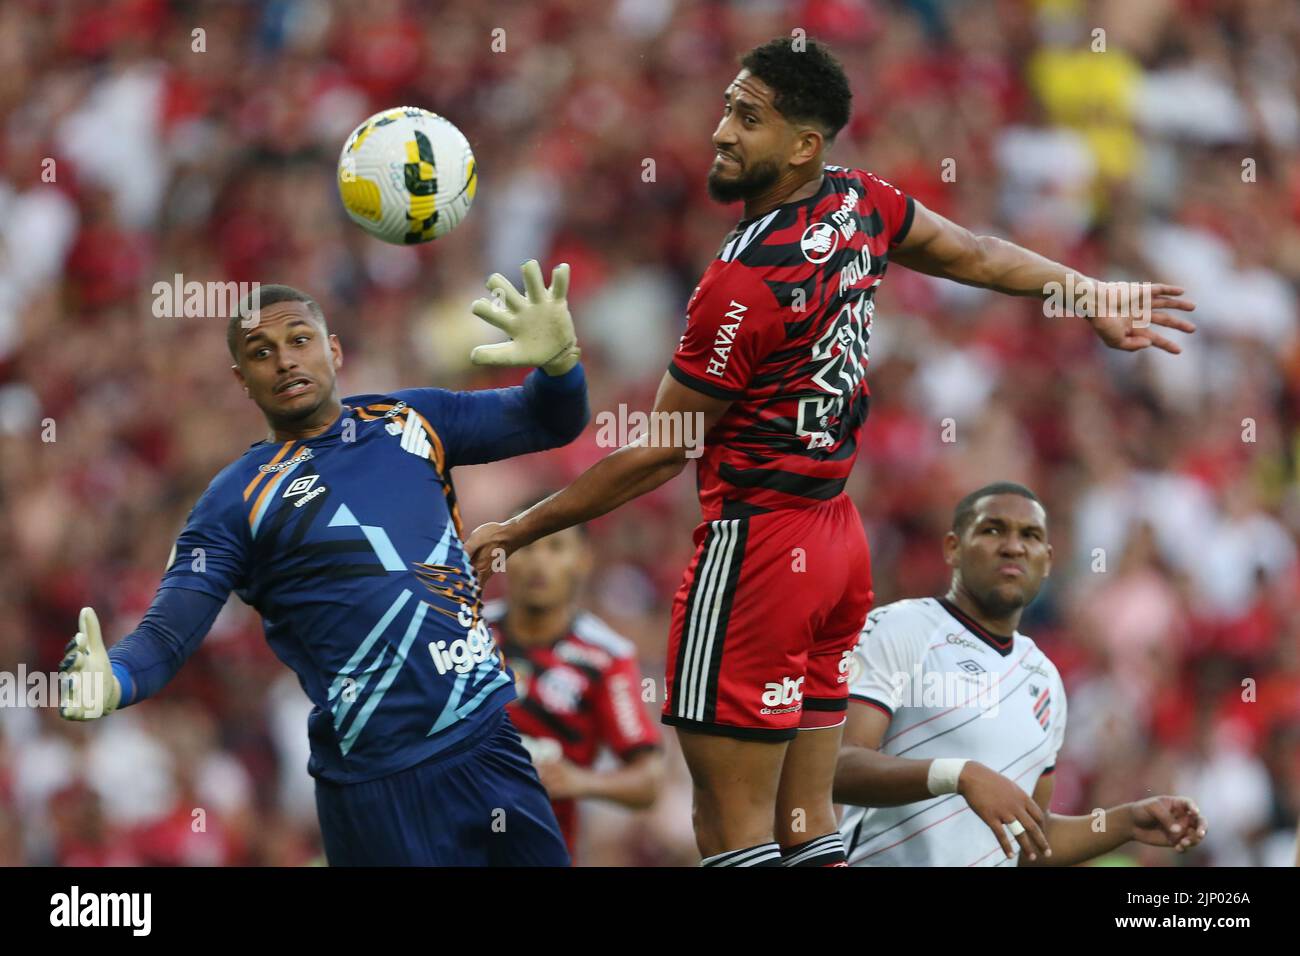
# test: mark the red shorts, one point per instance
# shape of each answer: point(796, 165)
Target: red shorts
point(764, 622)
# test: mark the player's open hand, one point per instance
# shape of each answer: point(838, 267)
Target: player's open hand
point(1005, 808)
point(539, 325)
point(1168, 821)
point(88, 688)
point(1124, 315)
point(488, 546)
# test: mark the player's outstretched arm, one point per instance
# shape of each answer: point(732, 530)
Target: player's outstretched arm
point(613, 481)
point(98, 680)
point(1158, 821)
point(1122, 314)
point(865, 777)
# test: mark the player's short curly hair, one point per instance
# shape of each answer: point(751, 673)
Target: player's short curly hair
point(964, 513)
point(808, 81)
point(260, 298)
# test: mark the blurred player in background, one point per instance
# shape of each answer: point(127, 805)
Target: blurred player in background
point(774, 360)
point(948, 697)
point(577, 683)
point(342, 529)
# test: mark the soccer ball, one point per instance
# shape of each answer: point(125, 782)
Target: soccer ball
point(407, 175)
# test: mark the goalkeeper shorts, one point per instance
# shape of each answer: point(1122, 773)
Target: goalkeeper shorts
point(480, 804)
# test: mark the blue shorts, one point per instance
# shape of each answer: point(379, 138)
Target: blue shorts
point(478, 805)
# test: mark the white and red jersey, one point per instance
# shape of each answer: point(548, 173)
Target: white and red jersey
point(575, 697)
point(780, 324)
point(951, 689)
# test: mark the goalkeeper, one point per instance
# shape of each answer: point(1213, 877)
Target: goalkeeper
point(341, 528)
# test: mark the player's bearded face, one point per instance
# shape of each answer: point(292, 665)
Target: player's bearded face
point(733, 180)
point(750, 142)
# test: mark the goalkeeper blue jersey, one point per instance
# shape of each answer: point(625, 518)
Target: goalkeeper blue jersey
point(349, 546)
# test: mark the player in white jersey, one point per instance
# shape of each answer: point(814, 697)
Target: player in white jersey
point(956, 718)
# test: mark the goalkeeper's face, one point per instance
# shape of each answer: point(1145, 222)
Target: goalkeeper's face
point(548, 573)
point(288, 364)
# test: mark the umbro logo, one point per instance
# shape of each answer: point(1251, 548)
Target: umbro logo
point(302, 489)
point(300, 486)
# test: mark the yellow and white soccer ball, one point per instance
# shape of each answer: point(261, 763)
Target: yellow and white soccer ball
point(407, 176)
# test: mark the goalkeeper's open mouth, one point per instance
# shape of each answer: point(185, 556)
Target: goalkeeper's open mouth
point(294, 386)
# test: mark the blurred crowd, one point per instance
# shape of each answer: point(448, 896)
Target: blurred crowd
point(140, 139)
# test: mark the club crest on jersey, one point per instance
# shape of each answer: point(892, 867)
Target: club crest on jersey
point(1042, 705)
point(560, 689)
point(819, 242)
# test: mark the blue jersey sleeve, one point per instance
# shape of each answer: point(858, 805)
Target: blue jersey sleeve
point(212, 551)
point(491, 424)
point(209, 561)
point(172, 629)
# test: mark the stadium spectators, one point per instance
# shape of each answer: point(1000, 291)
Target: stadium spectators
point(1170, 150)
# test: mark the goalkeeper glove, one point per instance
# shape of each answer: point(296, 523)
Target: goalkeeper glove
point(88, 689)
point(539, 326)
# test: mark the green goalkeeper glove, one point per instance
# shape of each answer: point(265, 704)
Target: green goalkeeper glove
point(540, 327)
point(89, 688)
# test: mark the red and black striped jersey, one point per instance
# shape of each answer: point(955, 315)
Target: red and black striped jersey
point(779, 324)
point(575, 697)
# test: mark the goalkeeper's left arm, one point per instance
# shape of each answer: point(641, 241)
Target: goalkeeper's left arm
point(98, 681)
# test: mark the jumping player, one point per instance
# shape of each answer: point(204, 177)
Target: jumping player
point(956, 718)
point(773, 362)
point(578, 684)
point(342, 530)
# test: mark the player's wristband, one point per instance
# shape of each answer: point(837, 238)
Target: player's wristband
point(943, 775)
point(124, 682)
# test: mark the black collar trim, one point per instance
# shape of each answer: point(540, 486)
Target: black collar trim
point(999, 642)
